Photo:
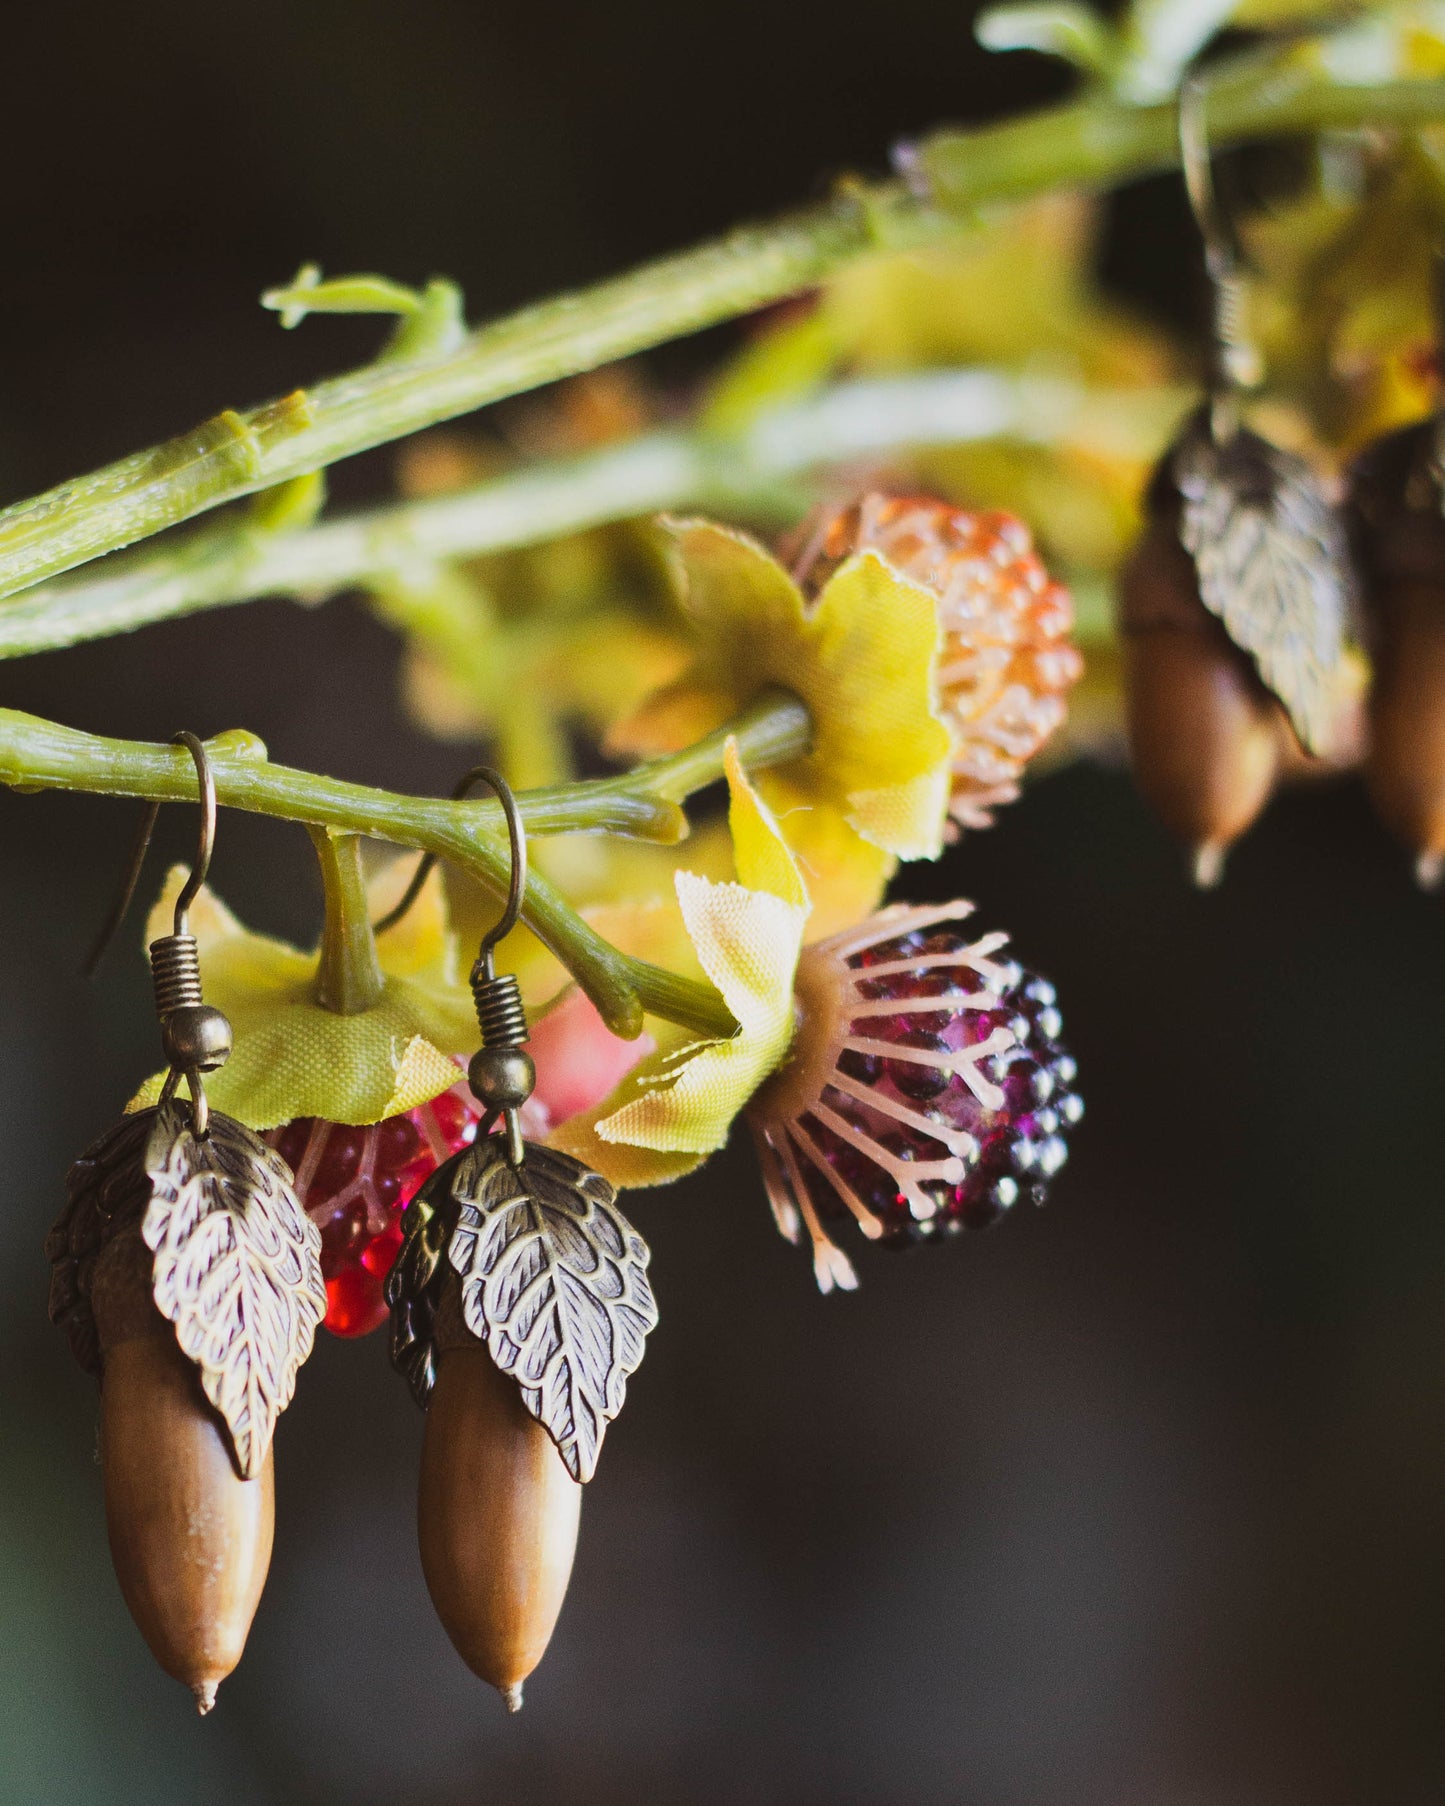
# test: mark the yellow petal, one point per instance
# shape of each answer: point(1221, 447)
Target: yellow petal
point(674, 717)
point(678, 1105)
point(760, 853)
point(863, 658)
point(293, 1059)
point(906, 819)
point(422, 942)
point(875, 639)
point(846, 875)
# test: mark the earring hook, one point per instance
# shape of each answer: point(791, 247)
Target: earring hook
point(1198, 168)
point(206, 788)
point(516, 835)
point(1236, 360)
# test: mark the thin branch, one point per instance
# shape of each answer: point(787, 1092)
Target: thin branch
point(1094, 141)
point(232, 561)
point(37, 754)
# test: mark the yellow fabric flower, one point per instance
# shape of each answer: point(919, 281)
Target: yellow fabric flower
point(873, 787)
point(678, 1105)
point(292, 1057)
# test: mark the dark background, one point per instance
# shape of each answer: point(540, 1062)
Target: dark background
point(1134, 1502)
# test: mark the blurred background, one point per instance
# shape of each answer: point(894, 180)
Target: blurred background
point(1136, 1501)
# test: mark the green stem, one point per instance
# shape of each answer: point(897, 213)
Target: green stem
point(40, 755)
point(232, 560)
point(1095, 144)
point(348, 975)
point(1095, 140)
point(773, 727)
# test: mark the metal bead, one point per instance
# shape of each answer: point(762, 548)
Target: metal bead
point(502, 1077)
point(196, 1037)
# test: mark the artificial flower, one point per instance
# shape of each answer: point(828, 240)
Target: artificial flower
point(873, 785)
point(678, 1105)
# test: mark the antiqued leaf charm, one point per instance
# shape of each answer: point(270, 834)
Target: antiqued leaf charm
point(1272, 563)
point(237, 1269)
point(108, 1189)
point(554, 1282)
point(413, 1286)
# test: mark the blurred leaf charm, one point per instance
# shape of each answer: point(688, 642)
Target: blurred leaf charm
point(554, 1282)
point(108, 1190)
point(413, 1287)
point(1272, 565)
point(237, 1269)
point(1243, 532)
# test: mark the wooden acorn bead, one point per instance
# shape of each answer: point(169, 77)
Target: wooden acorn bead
point(1398, 526)
point(189, 1538)
point(497, 1512)
point(1206, 737)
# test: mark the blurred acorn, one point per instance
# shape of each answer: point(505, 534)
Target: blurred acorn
point(1206, 737)
point(1398, 523)
point(1233, 610)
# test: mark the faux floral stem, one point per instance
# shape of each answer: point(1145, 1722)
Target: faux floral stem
point(750, 472)
point(41, 755)
point(348, 976)
point(1094, 145)
point(1094, 141)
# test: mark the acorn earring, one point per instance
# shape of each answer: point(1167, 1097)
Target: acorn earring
point(520, 1304)
point(188, 1280)
point(1235, 605)
point(1397, 497)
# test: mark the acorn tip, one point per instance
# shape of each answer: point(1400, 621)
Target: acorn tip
point(1207, 867)
point(205, 1696)
point(512, 1696)
point(1429, 869)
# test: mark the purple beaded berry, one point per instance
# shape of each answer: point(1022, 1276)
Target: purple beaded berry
point(926, 1091)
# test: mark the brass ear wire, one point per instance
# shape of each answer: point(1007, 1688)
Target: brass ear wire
point(200, 870)
point(501, 1074)
point(195, 1036)
point(479, 774)
point(1236, 361)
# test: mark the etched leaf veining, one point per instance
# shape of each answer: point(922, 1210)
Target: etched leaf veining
point(554, 1282)
point(1273, 566)
point(237, 1270)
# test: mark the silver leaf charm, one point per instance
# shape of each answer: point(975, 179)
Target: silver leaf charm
point(554, 1282)
point(1273, 565)
point(237, 1270)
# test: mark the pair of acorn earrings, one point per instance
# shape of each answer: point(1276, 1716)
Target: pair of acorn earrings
point(188, 1280)
point(1240, 600)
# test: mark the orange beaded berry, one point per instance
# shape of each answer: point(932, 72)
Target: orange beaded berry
point(1007, 661)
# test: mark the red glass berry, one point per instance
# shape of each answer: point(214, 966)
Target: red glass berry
point(354, 1184)
point(926, 1092)
point(1007, 662)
